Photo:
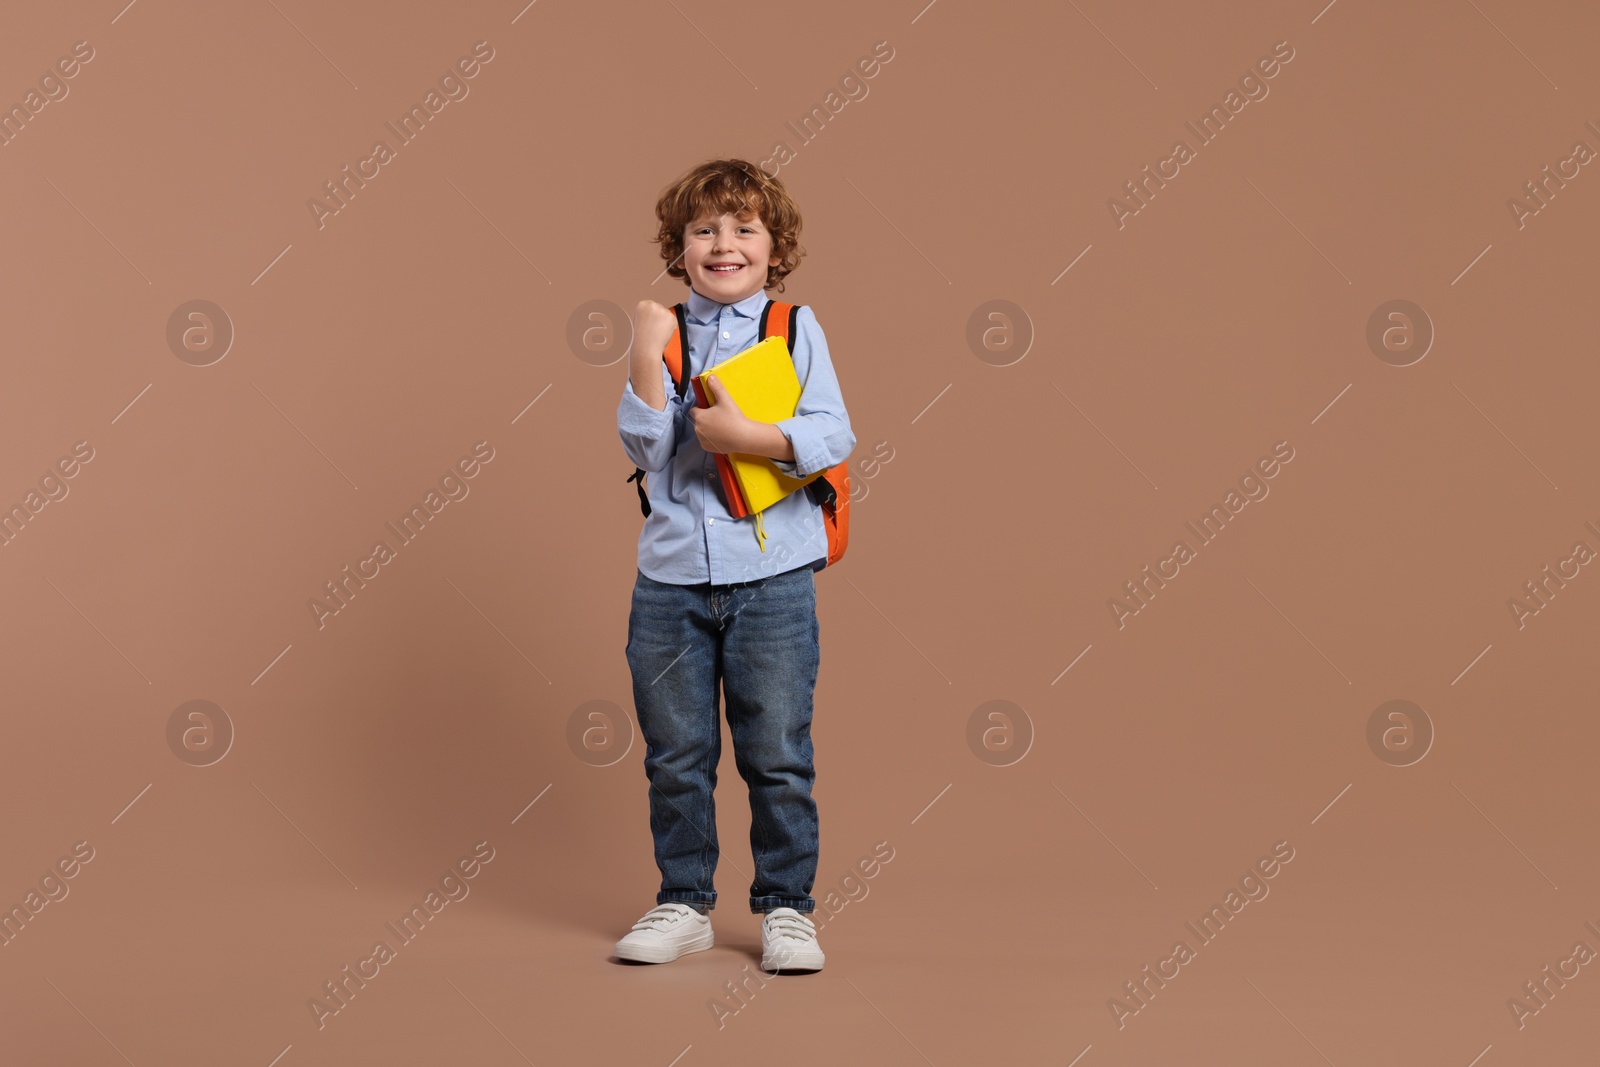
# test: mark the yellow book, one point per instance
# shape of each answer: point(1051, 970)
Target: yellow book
point(762, 381)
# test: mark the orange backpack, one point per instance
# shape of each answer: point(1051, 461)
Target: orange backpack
point(829, 488)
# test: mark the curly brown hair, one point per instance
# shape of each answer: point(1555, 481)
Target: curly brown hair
point(730, 186)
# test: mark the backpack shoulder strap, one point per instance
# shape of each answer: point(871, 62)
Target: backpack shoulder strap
point(677, 350)
point(779, 319)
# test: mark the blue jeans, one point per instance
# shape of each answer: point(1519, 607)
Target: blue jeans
point(759, 639)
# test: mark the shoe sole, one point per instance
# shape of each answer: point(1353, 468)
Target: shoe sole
point(793, 962)
point(663, 953)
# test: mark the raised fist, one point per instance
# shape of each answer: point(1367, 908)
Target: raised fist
point(653, 324)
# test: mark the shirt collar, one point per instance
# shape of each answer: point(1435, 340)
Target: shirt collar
point(704, 310)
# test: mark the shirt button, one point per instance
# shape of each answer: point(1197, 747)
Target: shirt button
point(724, 335)
point(711, 522)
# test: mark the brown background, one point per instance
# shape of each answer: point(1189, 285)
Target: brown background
point(371, 354)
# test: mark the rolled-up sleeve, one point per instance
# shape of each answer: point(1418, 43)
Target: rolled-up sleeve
point(819, 430)
point(648, 436)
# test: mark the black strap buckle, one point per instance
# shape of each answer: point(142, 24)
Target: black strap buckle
point(644, 501)
point(822, 492)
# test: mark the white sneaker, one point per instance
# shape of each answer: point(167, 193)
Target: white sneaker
point(789, 942)
point(666, 932)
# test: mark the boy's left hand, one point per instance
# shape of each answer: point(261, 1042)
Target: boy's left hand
point(722, 426)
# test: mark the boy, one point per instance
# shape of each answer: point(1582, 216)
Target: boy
point(710, 602)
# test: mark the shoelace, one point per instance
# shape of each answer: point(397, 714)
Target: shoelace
point(659, 916)
point(796, 926)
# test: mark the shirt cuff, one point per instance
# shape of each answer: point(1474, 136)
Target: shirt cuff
point(809, 455)
point(640, 419)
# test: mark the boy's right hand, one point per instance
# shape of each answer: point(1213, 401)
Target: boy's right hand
point(653, 324)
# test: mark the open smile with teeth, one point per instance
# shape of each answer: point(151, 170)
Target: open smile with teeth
point(726, 268)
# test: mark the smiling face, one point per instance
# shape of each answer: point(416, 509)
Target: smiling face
point(727, 257)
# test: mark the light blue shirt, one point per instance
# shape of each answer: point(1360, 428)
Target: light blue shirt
point(689, 536)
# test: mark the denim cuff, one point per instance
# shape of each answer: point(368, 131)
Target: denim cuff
point(805, 906)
